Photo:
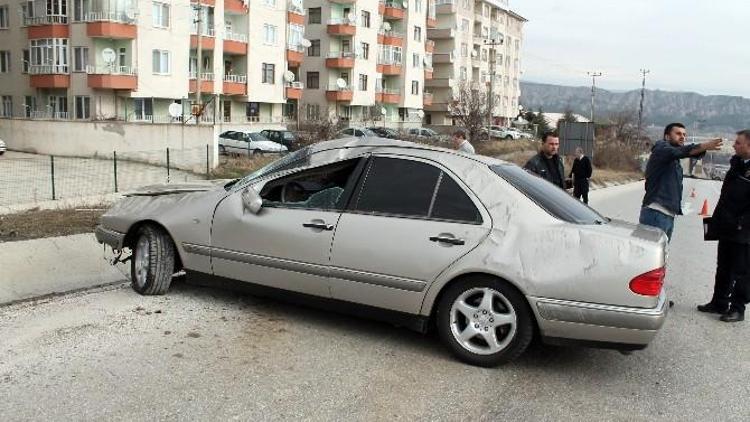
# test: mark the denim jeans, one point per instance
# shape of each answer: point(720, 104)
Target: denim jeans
point(653, 218)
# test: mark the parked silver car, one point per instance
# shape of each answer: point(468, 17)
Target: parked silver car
point(421, 236)
point(238, 142)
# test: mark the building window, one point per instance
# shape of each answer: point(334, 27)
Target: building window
point(295, 34)
point(467, 4)
point(313, 15)
point(80, 7)
point(464, 50)
point(417, 33)
point(29, 105)
point(82, 107)
point(415, 60)
point(269, 34)
point(161, 62)
point(144, 109)
point(465, 25)
point(463, 73)
point(80, 59)
point(4, 17)
point(50, 54)
point(268, 76)
point(312, 111)
point(365, 50)
point(269, 3)
point(314, 49)
point(418, 6)
point(365, 19)
point(313, 80)
point(160, 14)
point(26, 60)
point(4, 61)
point(7, 110)
point(362, 82)
point(415, 87)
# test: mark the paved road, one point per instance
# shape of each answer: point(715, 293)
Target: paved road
point(27, 178)
point(203, 354)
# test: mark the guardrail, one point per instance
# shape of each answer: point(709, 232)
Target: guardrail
point(240, 79)
point(111, 70)
point(120, 17)
point(49, 69)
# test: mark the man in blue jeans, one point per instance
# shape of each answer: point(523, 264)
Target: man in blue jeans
point(663, 199)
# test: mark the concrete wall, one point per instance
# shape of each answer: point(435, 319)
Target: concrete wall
point(142, 141)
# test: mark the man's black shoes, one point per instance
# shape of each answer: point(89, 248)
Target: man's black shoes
point(710, 308)
point(733, 316)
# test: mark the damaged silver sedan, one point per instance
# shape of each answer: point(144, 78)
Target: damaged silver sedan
point(484, 252)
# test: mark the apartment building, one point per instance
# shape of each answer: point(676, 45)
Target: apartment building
point(132, 59)
point(476, 43)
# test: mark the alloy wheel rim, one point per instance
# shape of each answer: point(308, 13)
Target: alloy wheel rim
point(483, 321)
point(142, 256)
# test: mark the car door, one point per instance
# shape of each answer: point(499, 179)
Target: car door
point(287, 244)
point(409, 219)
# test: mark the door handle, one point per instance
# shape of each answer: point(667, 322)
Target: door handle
point(320, 226)
point(449, 240)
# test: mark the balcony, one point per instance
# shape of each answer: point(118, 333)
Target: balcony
point(112, 77)
point(49, 115)
point(211, 3)
point(112, 25)
point(51, 26)
point(388, 67)
point(391, 38)
point(445, 7)
point(207, 82)
point(334, 93)
point(235, 85)
point(295, 13)
point(234, 7)
point(343, 1)
point(427, 98)
point(393, 10)
point(49, 76)
point(387, 96)
point(234, 44)
point(341, 27)
point(294, 90)
point(207, 38)
point(294, 55)
point(340, 60)
point(431, 18)
point(429, 46)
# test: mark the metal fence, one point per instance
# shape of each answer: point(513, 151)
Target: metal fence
point(28, 179)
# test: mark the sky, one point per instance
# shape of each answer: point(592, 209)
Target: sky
point(688, 45)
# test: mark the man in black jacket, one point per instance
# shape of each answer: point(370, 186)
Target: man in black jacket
point(731, 222)
point(547, 164)
point(581, 174)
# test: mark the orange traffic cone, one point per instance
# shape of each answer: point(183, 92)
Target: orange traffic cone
point(704, 210)
point(692, 193)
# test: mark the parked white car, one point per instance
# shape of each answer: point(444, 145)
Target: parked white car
point(427, 134)
point(237, 142)
point(3, 148)
point(355, 132)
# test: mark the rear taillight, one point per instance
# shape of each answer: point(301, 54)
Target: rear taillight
point(650, 283)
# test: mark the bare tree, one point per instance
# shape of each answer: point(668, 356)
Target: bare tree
point(470, 109)
point(623, 126)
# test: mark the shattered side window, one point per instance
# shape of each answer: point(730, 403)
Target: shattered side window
point(549, 197)
point(299, 158)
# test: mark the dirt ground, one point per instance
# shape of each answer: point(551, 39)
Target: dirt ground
point(36, 223)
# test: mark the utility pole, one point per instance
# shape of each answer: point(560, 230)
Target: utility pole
point(491, 43)
point(198, 21)
point(644, 72)
point(593, 75)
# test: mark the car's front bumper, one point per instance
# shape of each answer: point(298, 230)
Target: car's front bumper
point(619, 327)
point(109, 237)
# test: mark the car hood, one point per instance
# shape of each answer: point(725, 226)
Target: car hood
point(175, 188)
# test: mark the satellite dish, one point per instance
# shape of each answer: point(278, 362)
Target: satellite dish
point(352, 17)
point(304, 42)
point(131, 14)
point(383, 111)
point(474, 53)
point(420, 113)
point(340, 83)
point(425, 61)
point(405, 4)
point(386, 26)
point(109, 56)
point(175, 110)
point(289, 76)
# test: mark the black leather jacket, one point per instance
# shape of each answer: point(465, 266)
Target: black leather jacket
point(732, 215)
point(537, 165)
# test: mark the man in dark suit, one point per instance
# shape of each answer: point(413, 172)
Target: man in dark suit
point(581, 173)
point(731, 223)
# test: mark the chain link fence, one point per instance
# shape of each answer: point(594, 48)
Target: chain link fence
point(28, 179)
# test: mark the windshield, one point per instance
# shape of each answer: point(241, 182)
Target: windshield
point(299, 158)
point(551, 198)
point(257, 137)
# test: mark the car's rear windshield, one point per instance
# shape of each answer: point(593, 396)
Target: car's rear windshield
point(551, 198)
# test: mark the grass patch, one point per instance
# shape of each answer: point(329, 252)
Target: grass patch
point(36, 223)
point(495, 148)
point(234, 167)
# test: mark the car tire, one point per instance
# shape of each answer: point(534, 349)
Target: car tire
point(222, 150)
point(152, 264)
point(509, 137)
point(508, 321)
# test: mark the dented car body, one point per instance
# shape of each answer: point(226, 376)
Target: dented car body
point(488, 253)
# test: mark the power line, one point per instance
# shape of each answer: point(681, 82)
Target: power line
point(644, 72)
point(593, 75)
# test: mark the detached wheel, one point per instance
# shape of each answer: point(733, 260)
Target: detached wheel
point(484, 321)
point(152, 265)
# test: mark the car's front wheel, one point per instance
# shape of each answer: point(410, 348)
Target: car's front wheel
point(152, 264)
point(484, 321)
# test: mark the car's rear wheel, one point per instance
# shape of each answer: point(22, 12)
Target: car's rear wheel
point(222, 150)
point(152, 265)
point(484, 321)
point(509, 137)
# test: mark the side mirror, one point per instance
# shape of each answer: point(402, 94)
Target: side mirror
point(251, 201)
